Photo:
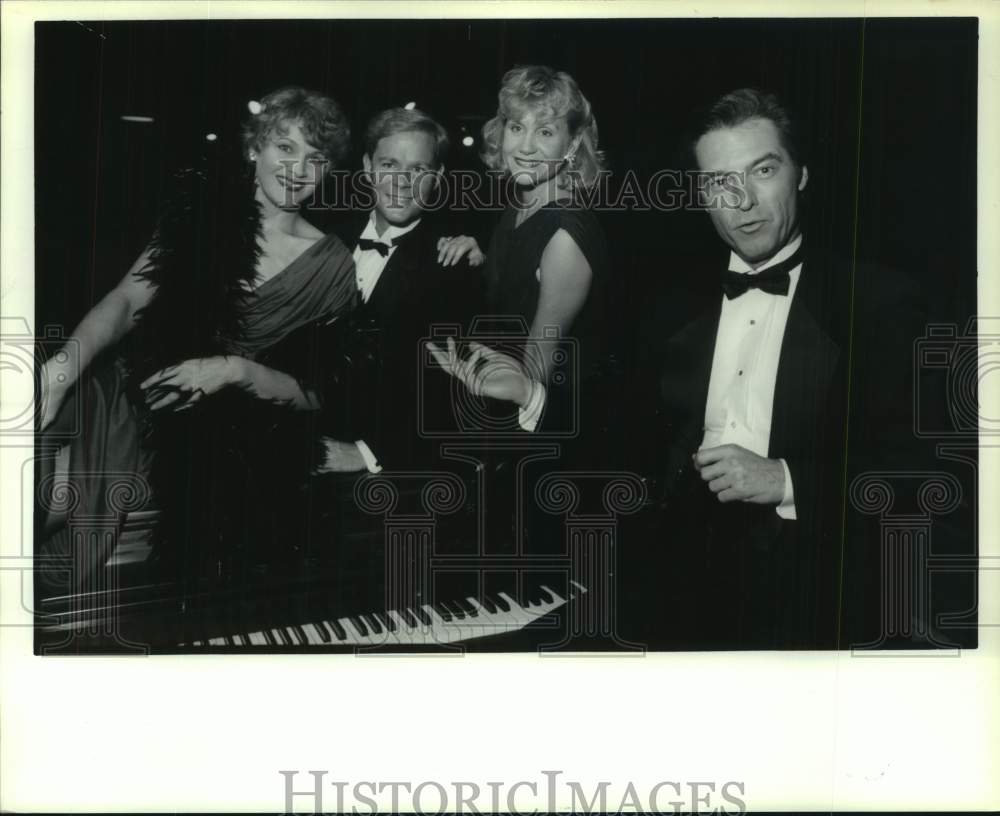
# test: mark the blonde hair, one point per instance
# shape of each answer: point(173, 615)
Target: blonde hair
point(540, 88)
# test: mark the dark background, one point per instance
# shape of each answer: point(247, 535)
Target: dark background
point(890, 109)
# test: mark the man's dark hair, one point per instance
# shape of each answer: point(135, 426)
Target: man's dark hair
point(744, 104)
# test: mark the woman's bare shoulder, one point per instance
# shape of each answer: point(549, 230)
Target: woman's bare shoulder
point(303, 229)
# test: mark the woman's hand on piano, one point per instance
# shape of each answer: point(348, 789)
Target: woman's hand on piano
point(486, 372)
point(183, 385)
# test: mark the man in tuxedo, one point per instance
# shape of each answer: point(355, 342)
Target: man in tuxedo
point(753, 400)
point(748, 387)
point(408, 281)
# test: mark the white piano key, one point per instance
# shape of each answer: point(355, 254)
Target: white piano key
point(337, 640)
point(353, 633)
point(405, 633)
point(440, 630)
point(517, 614)
point(312, 635)
point(383, 637)
point(390, 638)
point(416, 633)
point(481, 624)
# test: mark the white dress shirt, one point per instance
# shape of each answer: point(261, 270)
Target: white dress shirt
point(528, 416)
point(369, 265)
point(745, 367)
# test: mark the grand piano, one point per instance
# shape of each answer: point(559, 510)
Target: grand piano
point(420, 585)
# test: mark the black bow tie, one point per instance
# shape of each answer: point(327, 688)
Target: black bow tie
point(773, 280)
point(381, 248)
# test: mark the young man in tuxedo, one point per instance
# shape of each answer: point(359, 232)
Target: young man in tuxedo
point(408, 281)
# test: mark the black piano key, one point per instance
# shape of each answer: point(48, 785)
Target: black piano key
point(324, 634)
point(444, 612)
point(488, 604)
point(501, 604)
point(338, 631)
point(387, 622)
point(359, 625)
point(422, 616)
point(453, 609)
point(300, 634)
point(270, 638)
point(468, 609)
point(373, 625)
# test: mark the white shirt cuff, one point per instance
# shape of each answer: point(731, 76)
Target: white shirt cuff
point(528, 416)
point(366, 453)
point(787, 507)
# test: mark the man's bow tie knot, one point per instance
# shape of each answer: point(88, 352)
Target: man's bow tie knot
point(380, 247)
point(775, 280)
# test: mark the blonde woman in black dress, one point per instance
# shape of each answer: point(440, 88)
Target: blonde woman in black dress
point(547, 263)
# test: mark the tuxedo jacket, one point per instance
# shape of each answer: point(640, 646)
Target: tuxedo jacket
point(809, 392)
point(391, 391)
point(842, 404)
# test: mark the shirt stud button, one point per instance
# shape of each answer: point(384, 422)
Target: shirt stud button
point(753, 322)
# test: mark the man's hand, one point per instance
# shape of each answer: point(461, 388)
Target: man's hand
point(736, 474)
point(341, 457)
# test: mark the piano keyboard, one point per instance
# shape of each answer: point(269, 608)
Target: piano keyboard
point(427, 625)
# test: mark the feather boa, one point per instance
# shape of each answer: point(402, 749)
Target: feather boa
point(203, 256)
point(225, 472)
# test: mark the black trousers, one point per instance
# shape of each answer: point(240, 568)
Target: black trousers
point(730, 575)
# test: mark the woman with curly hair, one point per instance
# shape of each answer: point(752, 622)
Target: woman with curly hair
point(547, 263)
point(233, 269)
